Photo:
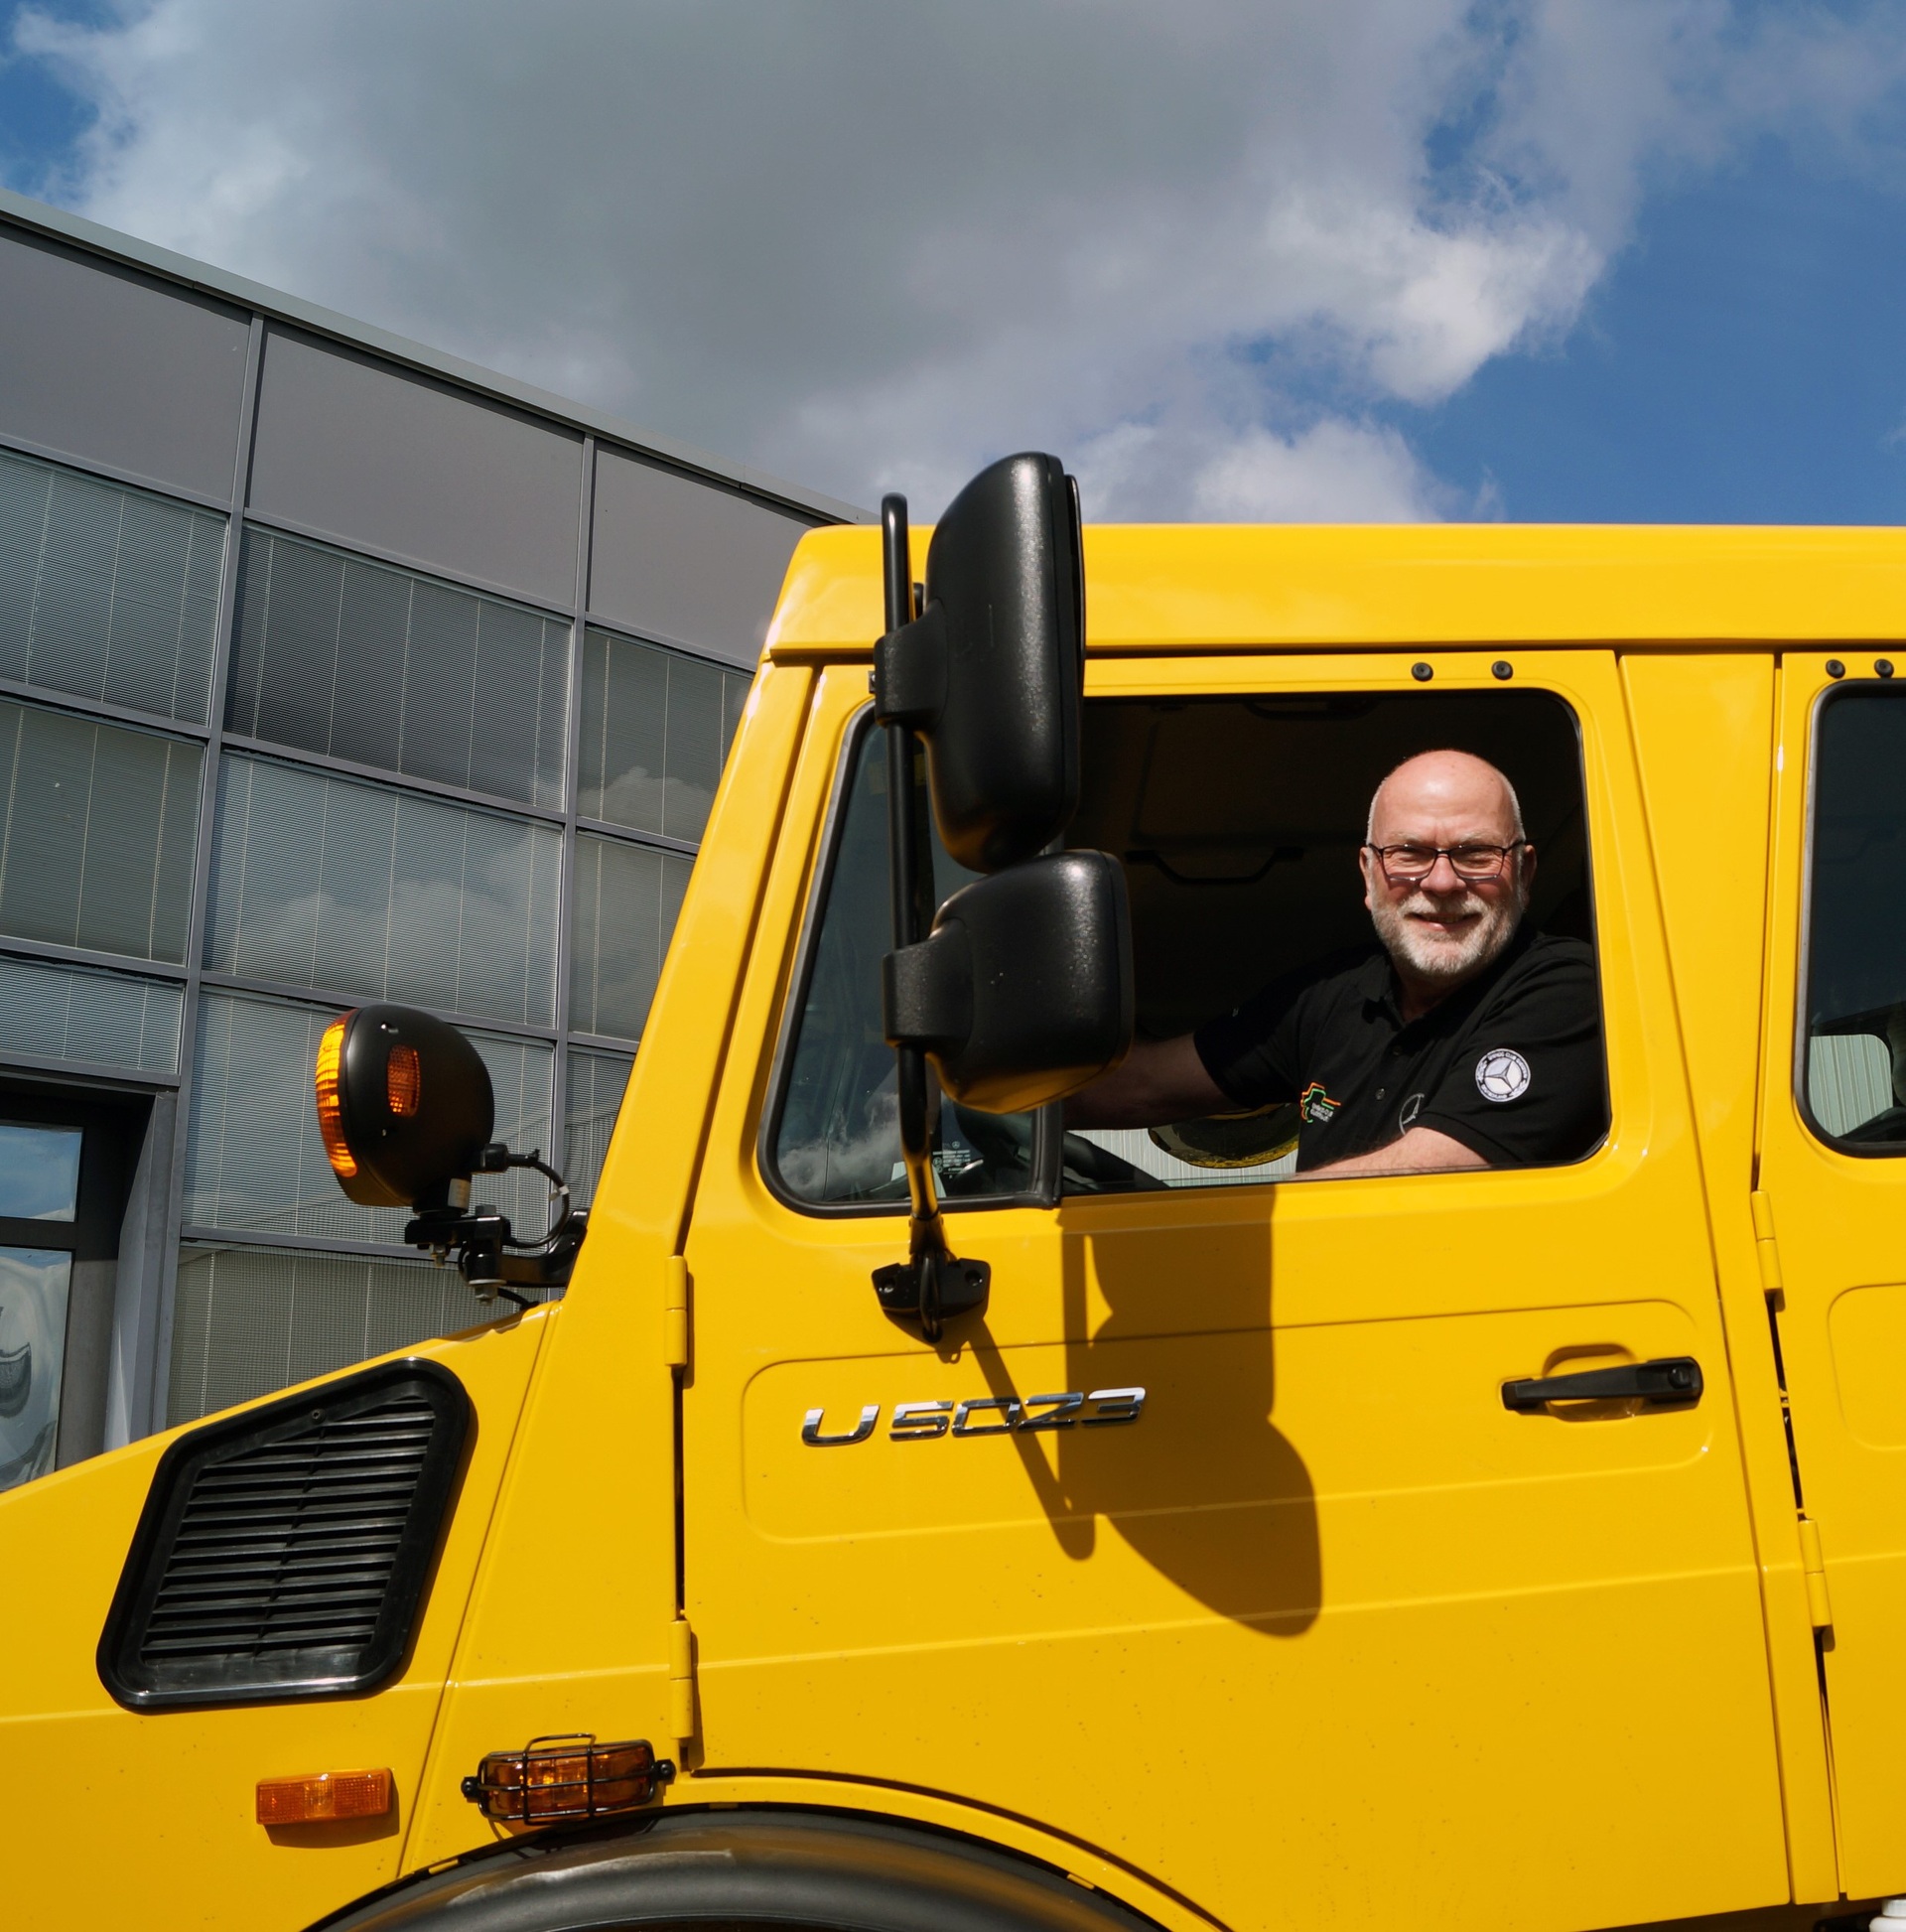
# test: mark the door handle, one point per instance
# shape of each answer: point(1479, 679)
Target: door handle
point(1669, 1382)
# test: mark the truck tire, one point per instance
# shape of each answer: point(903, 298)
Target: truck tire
point(746, 1868)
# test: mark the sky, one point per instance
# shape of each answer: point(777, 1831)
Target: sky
point(1316, 259)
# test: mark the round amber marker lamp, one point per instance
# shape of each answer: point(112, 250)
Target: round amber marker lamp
point(331, 1123)
point(403, 1081)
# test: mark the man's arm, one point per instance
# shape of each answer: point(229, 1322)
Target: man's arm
point(1157, 1082)
point(1421, 1149)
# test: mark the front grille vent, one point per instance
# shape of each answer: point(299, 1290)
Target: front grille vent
point(283, 1552)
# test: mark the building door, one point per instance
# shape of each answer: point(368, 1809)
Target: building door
point(1213, 1543)
point(64, 1164)
point(1833, 1184)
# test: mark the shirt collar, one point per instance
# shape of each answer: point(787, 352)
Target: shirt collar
point(1377, 982)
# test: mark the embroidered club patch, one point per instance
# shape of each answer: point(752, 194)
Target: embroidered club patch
point(1315, 1105)
point(1502, 1075)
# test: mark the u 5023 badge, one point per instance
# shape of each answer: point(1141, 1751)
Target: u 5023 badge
point(987, 1415)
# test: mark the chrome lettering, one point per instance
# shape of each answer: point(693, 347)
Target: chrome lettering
point(811, 1429)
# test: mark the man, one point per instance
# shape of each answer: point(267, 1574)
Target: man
point(1462, 1040)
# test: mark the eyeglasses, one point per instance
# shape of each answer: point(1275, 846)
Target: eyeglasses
point(1470, 861)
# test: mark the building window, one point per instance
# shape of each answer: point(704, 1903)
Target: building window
point(376, 667)
point(626, 901)
point(331, 883)
point(657, 728)
point(594, 1098)
point(50, 1012)
point(99, 825)
point(106, 593)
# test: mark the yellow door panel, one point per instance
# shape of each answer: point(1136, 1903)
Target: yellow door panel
point(1836, 1215)
point(171, 1794)
point(1325, 1618)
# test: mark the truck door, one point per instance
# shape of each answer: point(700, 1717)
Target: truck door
point(1212, 1544)
point(1831, 1212)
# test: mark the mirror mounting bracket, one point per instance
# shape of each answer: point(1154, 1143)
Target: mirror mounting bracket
point(932, 1285)
point(489, 1255)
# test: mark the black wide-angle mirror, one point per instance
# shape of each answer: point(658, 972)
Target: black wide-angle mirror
point(404, 1105)
point(1022, 992)
point(991, 671)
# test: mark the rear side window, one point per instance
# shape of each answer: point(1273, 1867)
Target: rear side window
point(1853, 1058)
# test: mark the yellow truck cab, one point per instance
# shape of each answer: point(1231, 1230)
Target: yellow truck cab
point(1051, 1529)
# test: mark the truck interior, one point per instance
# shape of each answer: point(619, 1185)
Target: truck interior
point(1238, 821)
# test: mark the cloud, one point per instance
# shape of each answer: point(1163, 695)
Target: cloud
point(1218, 253)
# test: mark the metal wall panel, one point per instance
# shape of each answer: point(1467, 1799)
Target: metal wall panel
point(407, 465)
point(106, 365)
point(683, 560)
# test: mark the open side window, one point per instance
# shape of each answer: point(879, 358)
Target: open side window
point(1238, 821)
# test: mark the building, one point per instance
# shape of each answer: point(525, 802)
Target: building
point(332, 669)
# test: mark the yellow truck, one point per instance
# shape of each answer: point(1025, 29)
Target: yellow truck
point(893, 1509)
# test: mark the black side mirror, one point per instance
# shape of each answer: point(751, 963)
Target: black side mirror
point(405, 1111)
point(1022, 991)
point(1020, 994)
point(404, 1106)
point(991, 672)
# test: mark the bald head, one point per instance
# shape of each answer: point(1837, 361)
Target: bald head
point(1455, 789)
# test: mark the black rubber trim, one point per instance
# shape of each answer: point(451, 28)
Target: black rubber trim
point(748, 1867)
point(135, 1683)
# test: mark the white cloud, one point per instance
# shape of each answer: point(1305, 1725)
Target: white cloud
point(1197, 248)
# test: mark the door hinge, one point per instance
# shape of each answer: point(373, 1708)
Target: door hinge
point(1814, 1565)
point(1764, 1247)
point(676, 1313)
point(681, 1683)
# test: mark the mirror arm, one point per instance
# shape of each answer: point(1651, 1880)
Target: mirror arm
point(481, 1236)
point(930, 1284)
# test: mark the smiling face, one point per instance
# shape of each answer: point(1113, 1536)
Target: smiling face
point(1442, 930)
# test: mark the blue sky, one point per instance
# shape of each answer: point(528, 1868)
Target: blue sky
point(1542, 259)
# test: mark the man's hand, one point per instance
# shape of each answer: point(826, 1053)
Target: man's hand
point(1420, 1150)
point(1160, 1081)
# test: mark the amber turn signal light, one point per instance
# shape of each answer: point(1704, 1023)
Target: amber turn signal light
point(567, 1776)
point(325, 1798)
point(330, 1125)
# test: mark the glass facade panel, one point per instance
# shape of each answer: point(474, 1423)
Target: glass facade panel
point(105, 593)
point(328, 881)
point(596, 1082)
point(76, 1013)
point(626, 900)
point(253, 1159)
point(248, 1321)
point(657, 728)
point(376, 667)
point(98, 829)
point(39, 1172)
point(34, 1284)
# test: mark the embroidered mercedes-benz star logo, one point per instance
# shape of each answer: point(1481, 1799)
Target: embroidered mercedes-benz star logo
point(1502, 1075)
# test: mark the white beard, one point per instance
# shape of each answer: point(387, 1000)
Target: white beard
point(1438, 957)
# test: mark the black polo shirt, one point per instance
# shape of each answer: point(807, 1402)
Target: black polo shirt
point(1509, 1064)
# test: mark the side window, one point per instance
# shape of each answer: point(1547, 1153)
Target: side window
point(1852, 1060)
point(1240, 822)
point(833, 1139)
